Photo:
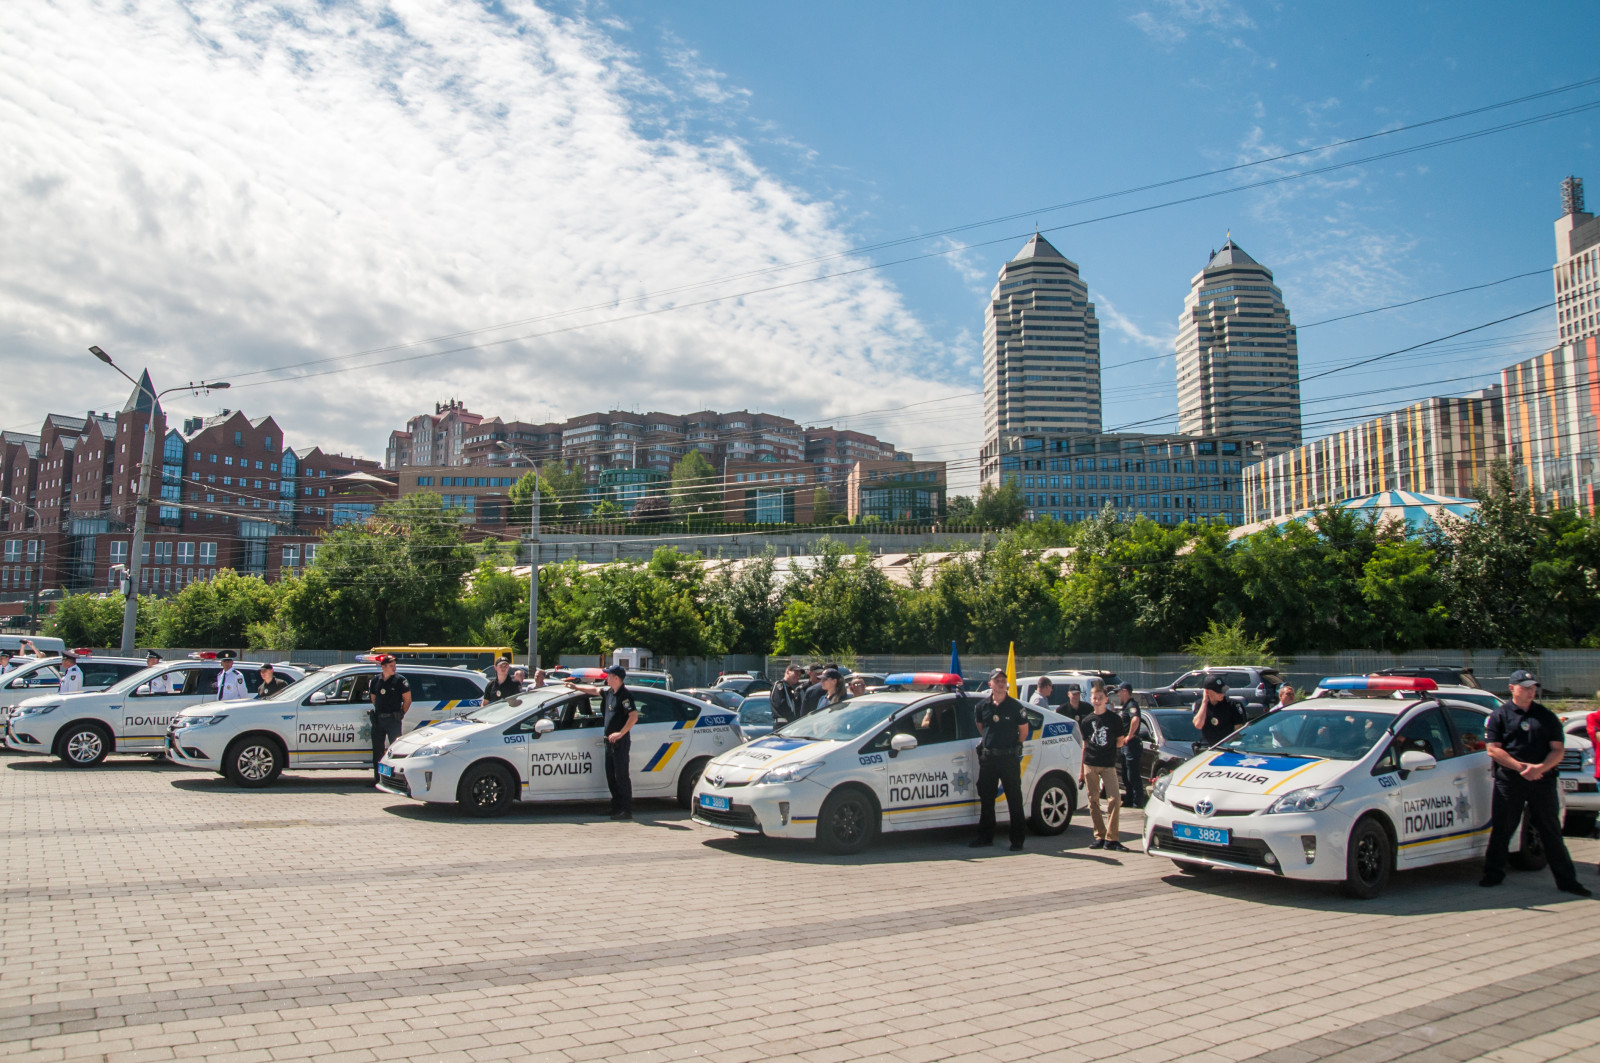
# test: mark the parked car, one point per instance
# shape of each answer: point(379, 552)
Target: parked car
point(755, 717)
point(722, 699)
point(1063, 681)
point(743, 683)
point(43, 676)
point(1255, 687)
point(1170, 740)
point(1446, 675)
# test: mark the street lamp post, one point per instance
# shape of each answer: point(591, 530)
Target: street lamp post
point(33, 624)
point(533, 562)
point(130, 609)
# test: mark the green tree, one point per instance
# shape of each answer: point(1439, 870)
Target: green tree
point(821, 506)
point(494, 608)
point(1222, 644)
point(999, 507)
point(563, 495)
point(694, 486)
point(660, 605)
point(1485, 569)
point(746, 593)
point(959, 508)
point(652, 510)
point(606, 509)
point(849, 604)
point(95, 620)
point(1401, 592)
point(219, 612)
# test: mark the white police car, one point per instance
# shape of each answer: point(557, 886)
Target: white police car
point(317, 724)
point(43, 676)
point(1338, 789)
point(887, 761)
point(549, 745)
point(129, 716)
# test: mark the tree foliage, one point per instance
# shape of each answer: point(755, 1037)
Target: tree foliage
point(694, 486)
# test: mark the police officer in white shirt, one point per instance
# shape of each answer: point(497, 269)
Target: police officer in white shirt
point(230, 681)
point(71, 674)
point(161, 684)
point(8, 661)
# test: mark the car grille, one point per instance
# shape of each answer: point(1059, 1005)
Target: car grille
point(1571, 760)
point(395, 784)
point(1250, 851)
point(737, 816)
point(1218, 812)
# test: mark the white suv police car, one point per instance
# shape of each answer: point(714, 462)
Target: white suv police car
point(130, 716)
point(888, 761)
point(318, 723)
point(549, 745)
point(1337, 789)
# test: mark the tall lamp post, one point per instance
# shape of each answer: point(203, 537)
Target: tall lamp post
point(130, 609)
point(33, 627)
point(533, 561)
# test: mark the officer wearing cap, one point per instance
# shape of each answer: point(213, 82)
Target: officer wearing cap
point(1216, 715)
point(7, 661)
point(832, 689)
point(503, 685)
point(160, 684)
point(230, 681)
point(1074, 706)
point(1003, 725)
point(71, 674)
point(621, 714)
point(390, 695)
point(271, 681)
point(812, 695)
point(1132, 746)
point(787, 695)
point(1526, 744)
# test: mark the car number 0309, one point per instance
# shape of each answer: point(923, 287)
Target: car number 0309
point(1209, 835)
point(713, 801)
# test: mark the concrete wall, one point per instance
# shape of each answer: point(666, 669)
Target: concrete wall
point(595, 548)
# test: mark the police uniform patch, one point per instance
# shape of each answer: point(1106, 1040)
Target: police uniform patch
point(1527, 726)
point(997, 719)
point(1213, 721)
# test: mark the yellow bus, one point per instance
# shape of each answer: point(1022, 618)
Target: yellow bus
point(476, 657)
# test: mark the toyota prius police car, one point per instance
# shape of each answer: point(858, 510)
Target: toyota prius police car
point(320, 723)
point(1347, 787)
point(129, 716)
point(889, 761)
point(548, 744)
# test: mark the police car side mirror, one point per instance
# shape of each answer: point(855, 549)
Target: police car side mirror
point(543, 727)
point(320, 697)
point(902, 743)
point(1416, 760)
point(142, 691)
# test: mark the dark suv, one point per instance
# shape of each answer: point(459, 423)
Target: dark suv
point(1445, 675)
point(1256, 687)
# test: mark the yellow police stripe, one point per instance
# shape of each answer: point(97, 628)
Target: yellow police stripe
point(1291, 775)
point(1197, 767)
point(672, 750)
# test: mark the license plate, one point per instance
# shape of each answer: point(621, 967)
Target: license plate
point(721, 804)
point(385, 769)
point(1570, 785)
point(1208, 835)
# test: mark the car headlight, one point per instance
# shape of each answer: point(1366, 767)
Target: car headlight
point(788, 772)
point(38, 710)
point(198, 721)
point(1310, 799)
point(1159, 790)
point(1588, 758)
point(438, 749)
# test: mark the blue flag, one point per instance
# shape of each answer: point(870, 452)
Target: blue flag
point(955, 660)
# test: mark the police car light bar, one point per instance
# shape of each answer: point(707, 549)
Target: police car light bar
point(1377, 682)
point(586, 673)
point(923, 679)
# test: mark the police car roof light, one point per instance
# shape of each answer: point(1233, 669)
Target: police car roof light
point(942, 679)
point(1377, 682)
point(368, 658)
point(586, 673)
point(203, 655)
point(83, 651)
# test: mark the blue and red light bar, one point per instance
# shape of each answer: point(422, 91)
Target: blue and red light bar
point(1377, 682)
point(586, 673)
point(923, 679)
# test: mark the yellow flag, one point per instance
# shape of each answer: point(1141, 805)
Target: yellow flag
point(1011, 669)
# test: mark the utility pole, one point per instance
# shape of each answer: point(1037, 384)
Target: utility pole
point(130, 607)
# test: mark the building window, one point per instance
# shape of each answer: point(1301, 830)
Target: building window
point(208, 553)
point(186, 553)
point(291, 557)
point(14, 549)
point(238, 439)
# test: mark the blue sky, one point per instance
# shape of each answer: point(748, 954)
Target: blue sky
point(492, 198)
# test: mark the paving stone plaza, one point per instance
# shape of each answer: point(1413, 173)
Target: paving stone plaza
point(152, 913)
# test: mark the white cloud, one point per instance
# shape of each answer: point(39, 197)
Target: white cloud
point(1119, 322)
point(219, 187)
point(1170, 21)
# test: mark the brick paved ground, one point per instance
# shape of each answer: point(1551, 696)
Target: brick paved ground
point(152, 913)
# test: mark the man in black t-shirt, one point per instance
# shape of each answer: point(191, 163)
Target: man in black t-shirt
point(1003, 725)
point(1216, 715)
point(390, 695)
point(503, 685)
point(1132, 745)
point(621, 715)
point(1102, 742)
point(271, 682)
point(1526, 744)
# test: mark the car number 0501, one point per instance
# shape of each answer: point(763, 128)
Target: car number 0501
point(713, 801)
point(1209, 835)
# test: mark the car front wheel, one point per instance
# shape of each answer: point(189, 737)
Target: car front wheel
point(1369, 860)
point(486, 791)
point(84, 745)
point(253, 761)
point(848, 822)
point(689, 778)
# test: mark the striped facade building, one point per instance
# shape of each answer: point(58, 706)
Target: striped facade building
point(1552, 410)
point(1438, 446)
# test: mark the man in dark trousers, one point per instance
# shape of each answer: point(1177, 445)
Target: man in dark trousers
point(1526, 745)
point(390, 695)
point(785, 696)
point(1102, 745)
point(503, 684)
point(1003, 725)
point(621, 714)
point(1216, 715)
point(1132, 746)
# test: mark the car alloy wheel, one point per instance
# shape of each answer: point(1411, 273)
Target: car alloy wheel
point(255, 762)
point(489, 790)
point(1052, 806)
point(847, 822)
point(85, 747)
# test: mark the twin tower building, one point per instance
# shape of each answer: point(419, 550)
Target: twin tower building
point(1238, 393)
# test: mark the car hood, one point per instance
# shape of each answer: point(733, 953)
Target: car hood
point(57, 699)
point(1248, 773)
point(745, 763)
point(454, 728)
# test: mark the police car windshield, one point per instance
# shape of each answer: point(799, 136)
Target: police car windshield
point(501, 711)
point(846, 720)
point(127, 683)
point(1312, 733)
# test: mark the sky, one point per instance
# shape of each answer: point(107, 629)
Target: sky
point(352, 210)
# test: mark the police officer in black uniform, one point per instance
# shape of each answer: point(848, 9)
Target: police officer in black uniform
point(390, 695)
point(1526, 744)
point(1133, 732)
point(1216, 715)
point(503, 684)
point(785, 696)
point(621, 714)
point(271, 682)
point(1003, 724)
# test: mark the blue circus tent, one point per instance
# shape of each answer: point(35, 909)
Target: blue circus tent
point(1416, 508)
